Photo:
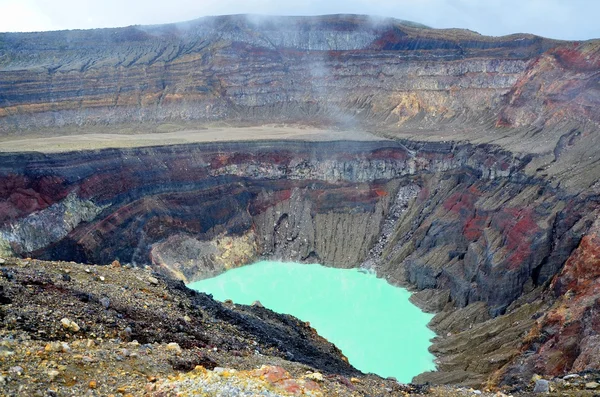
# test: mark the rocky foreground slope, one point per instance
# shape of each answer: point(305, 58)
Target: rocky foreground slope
point(477, 184)
point(70, 329)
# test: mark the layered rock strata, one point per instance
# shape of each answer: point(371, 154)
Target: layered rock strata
point(483, 199)
point(333, 69)
point(473, 224)
point(323, 201)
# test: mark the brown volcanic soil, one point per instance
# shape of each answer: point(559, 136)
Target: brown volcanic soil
point(128, 323)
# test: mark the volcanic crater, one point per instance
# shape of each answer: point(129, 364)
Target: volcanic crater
point(460, 166)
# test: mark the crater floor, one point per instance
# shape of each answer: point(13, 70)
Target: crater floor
point(129, 138)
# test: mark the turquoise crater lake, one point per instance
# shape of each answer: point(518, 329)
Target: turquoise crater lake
point(371, 321)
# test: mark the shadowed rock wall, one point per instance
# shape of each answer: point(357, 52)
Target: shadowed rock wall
point(476, 229)
point(496, 138)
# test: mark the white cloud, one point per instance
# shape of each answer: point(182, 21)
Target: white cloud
point(23, 16)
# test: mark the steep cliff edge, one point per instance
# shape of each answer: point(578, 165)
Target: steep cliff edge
point(486, 185)
point(331, 69)
point(524, 93)
point(462, 220)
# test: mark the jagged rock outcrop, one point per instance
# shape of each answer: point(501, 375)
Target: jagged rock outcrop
point(566, 338)
point(304, 201)
point(494, 138)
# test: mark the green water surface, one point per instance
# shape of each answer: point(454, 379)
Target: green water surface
point(372, 322)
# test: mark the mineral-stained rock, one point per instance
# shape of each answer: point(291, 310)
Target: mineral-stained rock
point(325, 68)
point(565, 339)
point(496, 139)
point(541, 386)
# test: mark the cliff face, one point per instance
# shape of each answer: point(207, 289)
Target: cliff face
point(304, 201)
point(338, 69)
point(463, 220)
point(487, 185)
point(566, 337)
point(524, 93)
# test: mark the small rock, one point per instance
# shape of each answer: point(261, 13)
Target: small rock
point(174, 347)
point(93, 384)
point(87, 270)
point(153, 280)
point(105, 302)
point(2, 261)
point(66, 277)
point(354, 380)
point(57, 347)
point(6, 352)
point(535, 378)
point(592, 385)
point(257, 304)
point(101, 278)
point(2, 380)
point(477, 392)
point(571, 376)
point(52, 374)
point(187, 319)
point(115, 263)
point(17, 370)
point(70, 325)
point(541, 386)
point(53, 347)
point(315, 376)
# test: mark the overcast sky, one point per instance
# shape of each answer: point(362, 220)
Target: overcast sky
point(561, 19)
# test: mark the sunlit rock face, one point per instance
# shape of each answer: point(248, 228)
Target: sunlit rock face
point(334, 69)
point(331, 69)
point(487, 185)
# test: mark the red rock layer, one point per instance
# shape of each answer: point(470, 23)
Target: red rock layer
point(567, 338)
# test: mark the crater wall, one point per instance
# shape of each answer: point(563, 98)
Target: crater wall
point(475, 230)
point(487, 186)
